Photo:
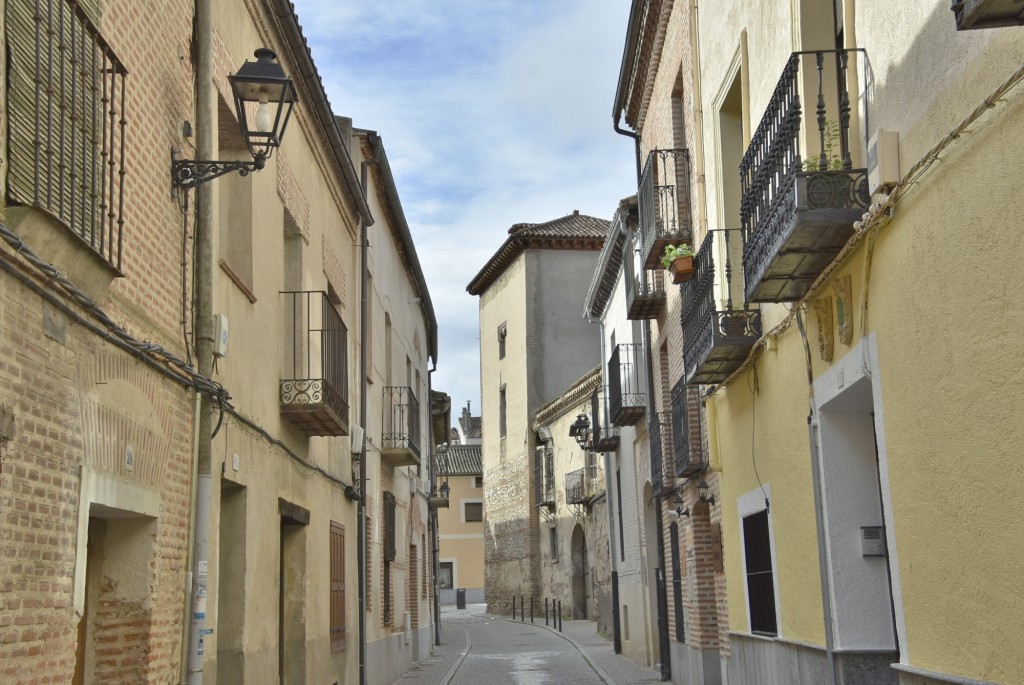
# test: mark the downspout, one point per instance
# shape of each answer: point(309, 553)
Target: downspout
point(364, 373)
point(434, 542)
point(819, 515)
point(662, 598)
point(616, 629)
point(204, 341)
point(186, 624)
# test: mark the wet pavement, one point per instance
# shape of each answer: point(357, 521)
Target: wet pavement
point(479, 649)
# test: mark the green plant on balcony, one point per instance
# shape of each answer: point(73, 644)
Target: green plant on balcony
point(833, 160)
point(678, 260)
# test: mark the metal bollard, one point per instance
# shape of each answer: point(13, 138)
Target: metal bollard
point(559, 616)
point(522, 608)
point(531, 609)
point(545, 611)
point(513, 607)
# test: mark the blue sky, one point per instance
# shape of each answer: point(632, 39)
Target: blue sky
point(492, 112)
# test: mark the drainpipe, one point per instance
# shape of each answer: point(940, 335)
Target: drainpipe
point(204, 341)
point(432, 519)
point(616, 629)
point(364, 339)
point(186, 624)
point(819, 515)
point(662, 598)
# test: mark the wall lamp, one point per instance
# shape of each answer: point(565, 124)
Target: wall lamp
point(580, 430)
point(264, 98)
point(678, 501)
point(702, 491)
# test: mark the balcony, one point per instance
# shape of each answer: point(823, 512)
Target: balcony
point(627, 397)
point(987, 14)
point(688, 453)
point(659, 431)
point(400, 434)
point(607, 439)
point(314, 390)
point(582, 485)
point(645, 287)
point(797, 212)
point(664, 204)
point(718, 331)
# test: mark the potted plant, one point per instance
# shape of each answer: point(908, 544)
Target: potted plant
point(678, 259)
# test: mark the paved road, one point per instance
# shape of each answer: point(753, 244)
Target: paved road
point(478, 649)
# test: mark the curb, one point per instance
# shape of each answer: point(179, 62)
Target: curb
point(458, 662)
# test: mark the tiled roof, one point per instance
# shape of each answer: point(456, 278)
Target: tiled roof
point(571, 232)
point(470, 427)
point(610, 262)
point(460, 460)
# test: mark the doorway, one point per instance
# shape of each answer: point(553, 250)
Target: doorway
point(580, 573)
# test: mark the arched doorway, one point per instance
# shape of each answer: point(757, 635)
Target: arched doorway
point(580, 573)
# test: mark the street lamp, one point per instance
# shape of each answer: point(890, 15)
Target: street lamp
point(264, 98)
point(678, 502)
point(580, 430)
point(702, 491)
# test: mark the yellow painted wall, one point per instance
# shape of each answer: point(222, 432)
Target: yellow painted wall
point(468, 553)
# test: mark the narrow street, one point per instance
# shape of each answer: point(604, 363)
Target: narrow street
point(478, 648)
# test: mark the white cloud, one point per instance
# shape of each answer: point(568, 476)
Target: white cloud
point(492, 113)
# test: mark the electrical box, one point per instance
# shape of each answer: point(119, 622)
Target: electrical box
point(220, 335)
point(357, 440)
point(883, 161)
point(872, 541)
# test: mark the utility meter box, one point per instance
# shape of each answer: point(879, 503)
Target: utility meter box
point(220, 335)
point(883, 161)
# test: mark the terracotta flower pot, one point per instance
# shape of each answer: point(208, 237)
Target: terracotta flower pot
point(682, 269)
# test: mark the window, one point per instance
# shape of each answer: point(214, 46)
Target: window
point(389, 554)
point(446, 575)
point(473, 511)
point(66, 119)
point(235, 205)
point(622, 540)
point(760, 585)
point(502, 406)
point(478, 482)
point(677, 584)
point(337, 587)
point(502, 334)
point(554, 543)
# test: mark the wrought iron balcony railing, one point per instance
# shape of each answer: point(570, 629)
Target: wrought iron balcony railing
point(688, 437)
point(314, 387)
point(400, 434)
point(719, 328)
point(645, 287)
point(67, 121)
point(797, 212)
point(583, 484)
point(627, 396)
point(659, 431)
point(607, 439)
point(664, 199)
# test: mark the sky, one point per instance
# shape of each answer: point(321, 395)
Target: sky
point(492, 113)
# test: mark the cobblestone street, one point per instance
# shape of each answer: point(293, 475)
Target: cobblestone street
point(478, 648)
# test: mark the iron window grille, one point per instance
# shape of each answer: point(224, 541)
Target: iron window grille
point(67, 122)
point(688, 444)
point(664, 203)
point(626, 390)
point(401, 419)
point(314, 389)
point(337, 587)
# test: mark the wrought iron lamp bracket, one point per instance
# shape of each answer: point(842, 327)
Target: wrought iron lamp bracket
point(190, 173)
